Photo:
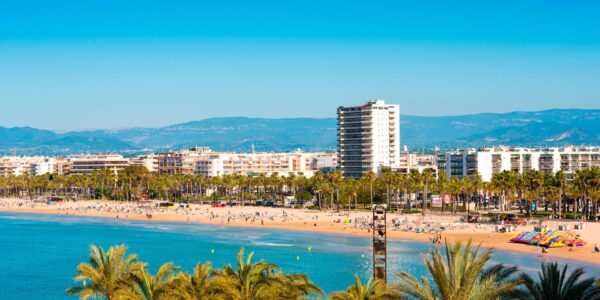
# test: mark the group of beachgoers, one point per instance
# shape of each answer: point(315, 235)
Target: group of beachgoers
point(429, 227)
point(242, 215)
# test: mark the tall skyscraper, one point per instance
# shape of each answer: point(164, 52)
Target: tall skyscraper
point(368, 137)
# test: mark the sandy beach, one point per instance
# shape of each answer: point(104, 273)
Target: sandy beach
point(316, 221)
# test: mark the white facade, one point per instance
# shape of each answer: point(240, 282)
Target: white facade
point(283, 164)
point(45, 166)
point(150, 161)
point(26, 165)
point(368, 137)
point(197, 160)
point(488, 161)
point(416, 161)
point(210, 166)
point(88, 163)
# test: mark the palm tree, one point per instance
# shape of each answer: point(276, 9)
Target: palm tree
point(387, 178)
point(533, 182)
point(370, 177)
point(401, 182)
point(144, 286)
point(462, 275)
point(454, 188)
point(556, 285)
point(196, 286)
point(292, 287)
point(372, 290)
point(415, 181)
point(349, 189)
point(106, 274)
point(335, 178)
point(426, 177)
point(442, 187)
point(251, 281)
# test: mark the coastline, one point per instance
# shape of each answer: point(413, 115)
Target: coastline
point(487, 239)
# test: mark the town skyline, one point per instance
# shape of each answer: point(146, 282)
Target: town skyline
point(531, 129)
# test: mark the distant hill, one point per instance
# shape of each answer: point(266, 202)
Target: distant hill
point(235, 134)
point(550, 127)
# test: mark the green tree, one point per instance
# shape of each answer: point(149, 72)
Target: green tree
point(145, 286)
point(106, 274)
point(460, 275)
point(427, 177)
point(335, 180)
point(372, 290)
point(370, 178)
point(555, 284)
point(196, 286)
point(255, 281)
point(292, 287)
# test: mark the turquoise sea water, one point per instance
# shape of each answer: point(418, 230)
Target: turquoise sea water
point(40, 252)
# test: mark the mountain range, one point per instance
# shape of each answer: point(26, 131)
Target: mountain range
point(540, 128)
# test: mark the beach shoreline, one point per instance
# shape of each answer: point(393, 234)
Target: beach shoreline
point(311, 221)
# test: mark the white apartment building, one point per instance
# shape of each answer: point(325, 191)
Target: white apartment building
point(415, 161)
point(183, 162)
point(26, 165)
point(488, 161)
point(150, 161)
point(44, 166)
point(62, 166)
point(88, 163)
point(283, 164)
point(196, 160)
point(368, 137)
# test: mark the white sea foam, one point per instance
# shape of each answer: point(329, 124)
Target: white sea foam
point(271, 244)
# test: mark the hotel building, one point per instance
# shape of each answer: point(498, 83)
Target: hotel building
point(416, 161)
point(282, 164)
point(150, 161)
point(488, 161)
point(368, 137)
point(88, 163)
point(26, 165)
point(197, 160)
point(183, 162)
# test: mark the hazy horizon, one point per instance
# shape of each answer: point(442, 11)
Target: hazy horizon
point(275, 118)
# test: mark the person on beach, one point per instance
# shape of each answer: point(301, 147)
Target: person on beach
point(596, 249)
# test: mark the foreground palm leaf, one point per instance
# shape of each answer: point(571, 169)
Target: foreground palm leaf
point(106, 275)
point(372, 290)
point(144, 286)
point(460, 276)
point(292, 286)
point(555, 284)
point(196, 286)
point(251, 281)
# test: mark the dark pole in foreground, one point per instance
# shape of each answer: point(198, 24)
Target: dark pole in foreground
point(379, 242)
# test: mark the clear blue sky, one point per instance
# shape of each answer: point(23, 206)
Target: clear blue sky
point(110, 64)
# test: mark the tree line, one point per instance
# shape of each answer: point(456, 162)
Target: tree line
point(529, 192)
point(461, 272)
